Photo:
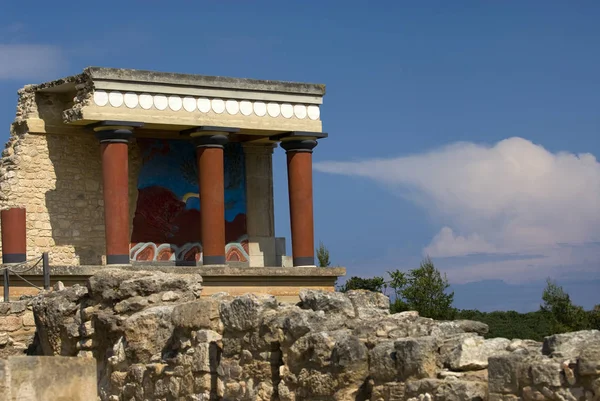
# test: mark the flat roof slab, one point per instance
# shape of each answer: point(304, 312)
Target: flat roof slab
point(172, 102)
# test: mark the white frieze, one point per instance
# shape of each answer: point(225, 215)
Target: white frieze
point(190, 104)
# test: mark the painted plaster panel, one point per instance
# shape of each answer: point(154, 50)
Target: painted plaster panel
point(166, 225)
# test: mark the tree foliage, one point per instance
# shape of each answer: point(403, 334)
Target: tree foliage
point(557, 314)
point(358, 283)
point(423, 289)
point(511, 324)
point(564, 315)
point(323, 255)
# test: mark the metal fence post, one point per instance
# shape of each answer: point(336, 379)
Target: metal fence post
point(6, 284)
point(46, 269)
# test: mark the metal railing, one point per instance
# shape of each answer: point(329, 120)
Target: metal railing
point(20, 268)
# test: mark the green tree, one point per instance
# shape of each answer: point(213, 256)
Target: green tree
point(424, 290)
point(510, 324)
point(557, 304)
point(398, 283)
point(358, 283)
point(323, 255)
point(594, 318)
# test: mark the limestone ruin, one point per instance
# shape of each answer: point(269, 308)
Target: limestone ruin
point(155, 338)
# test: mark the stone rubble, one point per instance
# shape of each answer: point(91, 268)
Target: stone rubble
point(154, 338)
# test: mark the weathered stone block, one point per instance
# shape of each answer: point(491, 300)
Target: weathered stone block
point(570, 345)
point(147, 332)
point(242, 312)
point(546, 373)
point(588, 363)
point(470, 352)
point(133, 304)
point(18, 306)
point(326, 301)
point(28, 319)
point(447, 390)
point(382, 362)
point(503, 374)
point(369, 304)
point(200, 314)
point(349, 354)
point(416, 357)
point(201, 358)
point(207, 336)
point(10, 323)
point(315, 384)
point(312, 350)
point(48, 379)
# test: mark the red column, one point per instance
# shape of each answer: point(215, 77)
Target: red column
point(114, 141)
point(211, 183)
point(299, 164)
point(14, 237)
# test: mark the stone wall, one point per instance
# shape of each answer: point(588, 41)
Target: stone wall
point(58, 179)
point(17, 328)
point(155, 339)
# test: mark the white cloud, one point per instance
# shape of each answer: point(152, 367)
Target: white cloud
point(30, 61)
point(513, 197)
point(446, 243)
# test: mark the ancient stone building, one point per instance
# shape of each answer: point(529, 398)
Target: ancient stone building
point(140, 168)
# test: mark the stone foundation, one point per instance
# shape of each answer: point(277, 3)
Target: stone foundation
point(17, 328)
point(154, 338)
point(47, 379)
point(284, 283)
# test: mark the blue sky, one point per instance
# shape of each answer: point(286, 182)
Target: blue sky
point(466, 130)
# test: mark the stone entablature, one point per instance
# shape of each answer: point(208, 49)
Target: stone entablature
point(167, 101)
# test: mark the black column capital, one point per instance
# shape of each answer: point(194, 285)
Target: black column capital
point(299, 145)
point(114, 131)
point(208, 136)
point(210, 141)
point(298, 141)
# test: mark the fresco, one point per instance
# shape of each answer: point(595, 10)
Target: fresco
point(166, 224)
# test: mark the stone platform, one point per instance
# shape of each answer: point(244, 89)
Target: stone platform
point(48, 378)
point(284, 283)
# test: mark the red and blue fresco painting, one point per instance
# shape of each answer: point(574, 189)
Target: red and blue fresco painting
point(166, 224)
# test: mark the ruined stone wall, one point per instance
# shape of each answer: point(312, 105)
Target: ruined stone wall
point(155, 339)
point(17, 327)
point(58, 179)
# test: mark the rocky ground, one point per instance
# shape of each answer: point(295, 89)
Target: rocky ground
point(155, 339)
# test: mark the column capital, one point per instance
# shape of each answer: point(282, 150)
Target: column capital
point(299, 141)
point(114, 131)
point(210, 141)
point(299, 145)
point(208, 136)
